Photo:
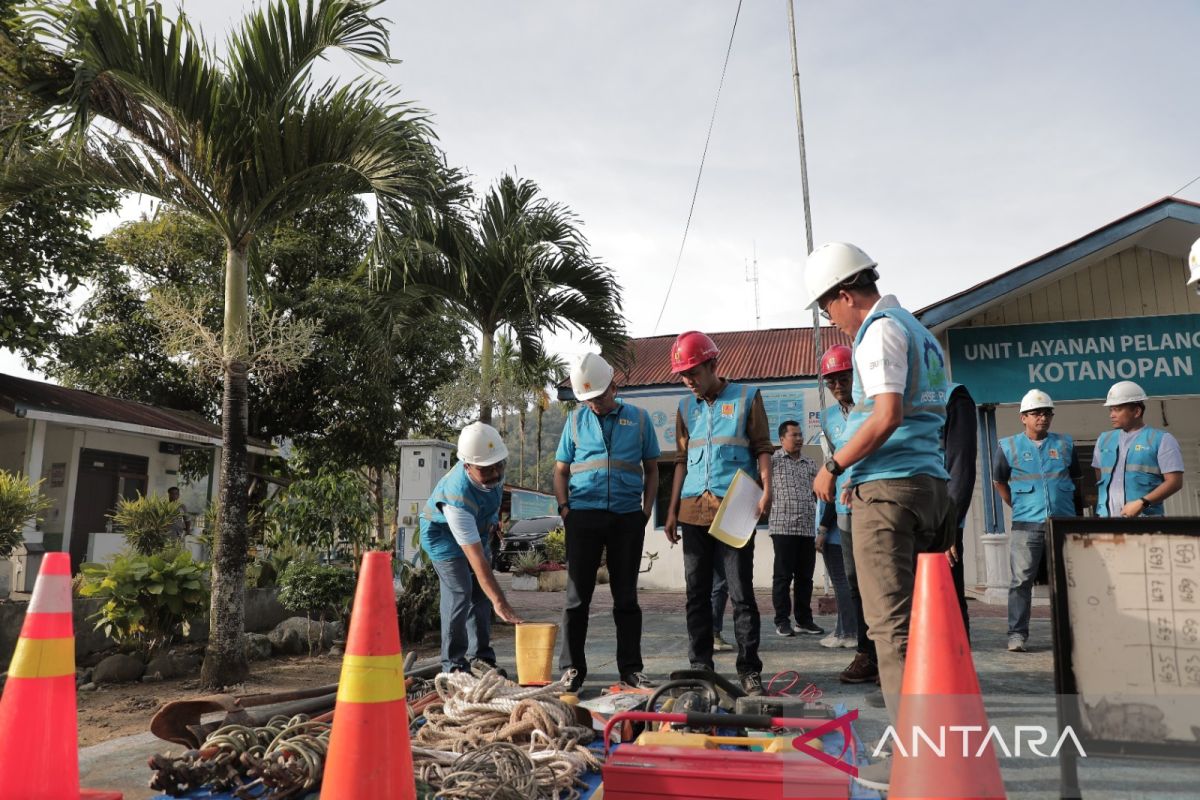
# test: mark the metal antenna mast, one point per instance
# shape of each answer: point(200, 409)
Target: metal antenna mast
point(752, 277)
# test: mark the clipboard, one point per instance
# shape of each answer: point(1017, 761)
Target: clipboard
point(737, 516)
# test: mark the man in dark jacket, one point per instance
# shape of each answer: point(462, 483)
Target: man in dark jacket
point(960, 443)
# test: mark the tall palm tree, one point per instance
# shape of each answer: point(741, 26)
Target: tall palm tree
point(546, 370)
point(519, 263)
point(241, 141)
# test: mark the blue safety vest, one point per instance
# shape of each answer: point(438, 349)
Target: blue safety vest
point(834, 424)
point(1040, 483)
point(1142, 474)
point(456, 489)
point(915, 448)
point(608, 476)
point(718, 439)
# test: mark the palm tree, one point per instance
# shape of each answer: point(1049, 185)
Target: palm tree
point(241, 141)
point(548, 369)
point(520, 264)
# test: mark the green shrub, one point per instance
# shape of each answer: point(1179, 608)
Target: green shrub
point(149, 599)
point(555, 545)
point(19, 501)
point(418, 606)
point(528, 563)
point(330, 512)
point(146, 523)
point(314, 590)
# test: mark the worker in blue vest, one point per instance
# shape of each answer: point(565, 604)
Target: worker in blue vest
point(898, 481)
point(1137, 467)
point(455, 523)
point(1036, 473)
point(605, 478)
point(721, 429)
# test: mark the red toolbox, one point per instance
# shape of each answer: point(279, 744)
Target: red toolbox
point(686, 773)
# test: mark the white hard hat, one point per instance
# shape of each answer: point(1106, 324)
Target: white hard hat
point(480, 444)
point(590, 376)
point(830, 264)
point(1125, 392)
point(1035, 398)
point(1194, 265)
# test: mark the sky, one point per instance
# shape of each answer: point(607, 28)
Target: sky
point(952, 141)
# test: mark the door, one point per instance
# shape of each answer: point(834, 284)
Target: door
point(103, 478)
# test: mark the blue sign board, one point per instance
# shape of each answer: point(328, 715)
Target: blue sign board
point(1078, 360)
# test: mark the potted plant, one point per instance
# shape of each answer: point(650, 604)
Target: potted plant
point(19, 502)
point(526, 570)
point(552, 575)
point(146, 523)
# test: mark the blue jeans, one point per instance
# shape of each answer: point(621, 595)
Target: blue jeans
point(720, 595)
point(835, 567)
point(1025, 550)
point(466, 616)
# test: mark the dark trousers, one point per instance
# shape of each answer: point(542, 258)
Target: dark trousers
point(699, 553)
point(956, 571)
point(795, 558)
point(865, 645)
point(590, 535)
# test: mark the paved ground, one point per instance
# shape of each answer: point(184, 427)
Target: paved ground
point(1017, 688)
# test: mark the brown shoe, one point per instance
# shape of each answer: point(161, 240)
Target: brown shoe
point(861, 670)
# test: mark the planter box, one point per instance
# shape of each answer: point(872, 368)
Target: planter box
point(525, 583)
point(552, 581)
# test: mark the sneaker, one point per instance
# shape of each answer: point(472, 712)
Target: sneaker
point(752, 684)
point(572, 679)
point(848, 641)
point(637, 680)
point(861, 670)
point(1016, 643)
point(810, 628)
point(784, 629)
point(719, 644)
point(481, 667)
point(832, 640)
point(877, 775)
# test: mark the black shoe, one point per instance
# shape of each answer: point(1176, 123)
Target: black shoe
point(784, 629)
point(862, 669)
point(572, 679)
point(637, 680)
point(480, 667)
point(752, 684)
point(809, 628)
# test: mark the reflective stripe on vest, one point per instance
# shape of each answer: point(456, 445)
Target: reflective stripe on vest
point(1040, 483)
point(915, 448)
point(723, 423)
point(1142, 473)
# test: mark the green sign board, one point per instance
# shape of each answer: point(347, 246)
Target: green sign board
point(1078, 360)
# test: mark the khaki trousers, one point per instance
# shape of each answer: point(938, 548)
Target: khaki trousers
point(894, 520)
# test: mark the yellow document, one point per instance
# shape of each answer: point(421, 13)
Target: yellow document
point(738, 515)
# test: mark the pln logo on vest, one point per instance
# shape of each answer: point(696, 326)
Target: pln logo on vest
point(624, 421)
point(1053, 453)
point(727, 409)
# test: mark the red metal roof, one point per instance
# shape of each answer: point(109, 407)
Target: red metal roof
point(774, 354)
point(23, 394)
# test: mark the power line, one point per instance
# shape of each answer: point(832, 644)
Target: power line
point(1186, 185)
point(696, 190)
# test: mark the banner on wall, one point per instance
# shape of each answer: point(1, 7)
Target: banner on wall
point(782, 401)
point(1078, 360)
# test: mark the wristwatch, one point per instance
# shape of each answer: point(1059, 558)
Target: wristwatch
point(1145, 503)
point(834, 468)
point(561, 506)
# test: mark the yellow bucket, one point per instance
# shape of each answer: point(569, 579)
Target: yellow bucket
point(535, 653)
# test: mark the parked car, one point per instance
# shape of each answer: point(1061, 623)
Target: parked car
point(523, 536)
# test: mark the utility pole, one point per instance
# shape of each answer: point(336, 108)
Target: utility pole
point(808, 235)
point(752, 277)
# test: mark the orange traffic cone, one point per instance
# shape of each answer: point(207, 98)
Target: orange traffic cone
point(941, 748)
point(369, 753)
point(39, 736)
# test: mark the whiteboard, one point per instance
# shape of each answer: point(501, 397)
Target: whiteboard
point(1133, 602)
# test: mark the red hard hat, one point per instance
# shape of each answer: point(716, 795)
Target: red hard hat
point(691, 348)
point(836, 359)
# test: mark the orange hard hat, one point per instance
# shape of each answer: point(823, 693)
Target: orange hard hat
point(836, 359)
point(691, 348)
